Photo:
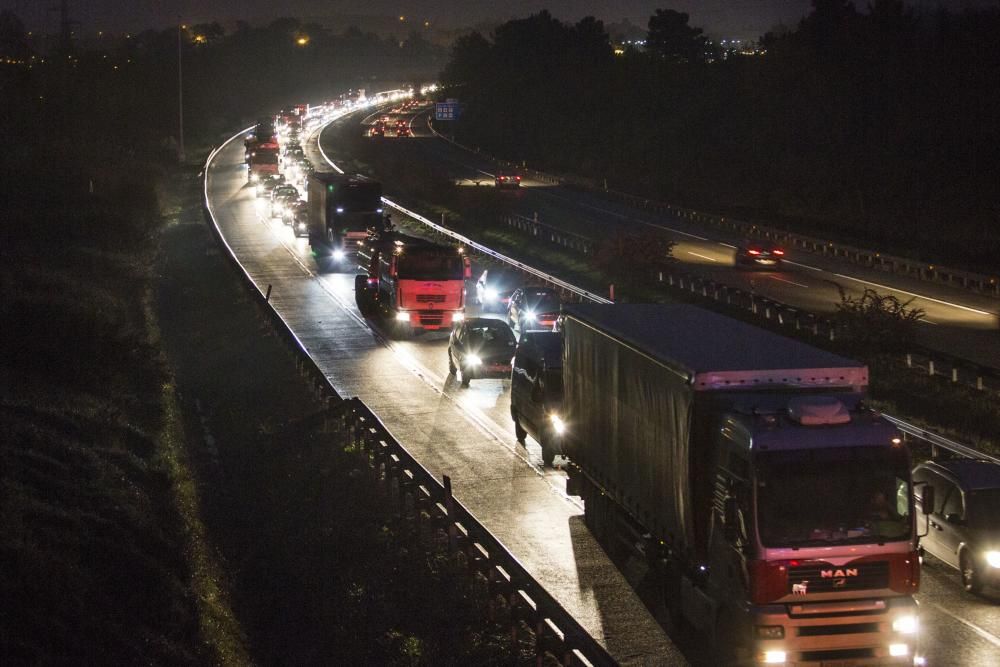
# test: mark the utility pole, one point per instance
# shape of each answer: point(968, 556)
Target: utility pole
point(180, 93)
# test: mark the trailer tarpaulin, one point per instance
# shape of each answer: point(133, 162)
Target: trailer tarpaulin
point(629, 418)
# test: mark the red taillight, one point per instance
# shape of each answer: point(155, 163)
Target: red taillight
point(372, 281)
point(518, 178)
point(768, 581)
point(776, 251)
point(753, 252)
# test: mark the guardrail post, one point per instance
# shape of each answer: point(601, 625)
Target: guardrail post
point(979, 382)
point(909, 360)
point(954, 374)
point(930, 367)
point(267, 296)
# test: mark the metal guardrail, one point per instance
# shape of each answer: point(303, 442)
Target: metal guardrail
point(513, 595)
point(933, 362)
point(979, 283)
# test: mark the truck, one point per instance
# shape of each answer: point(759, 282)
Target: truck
point(774, 508)
point(414, 284)
point(342, 209)
point(262, 160)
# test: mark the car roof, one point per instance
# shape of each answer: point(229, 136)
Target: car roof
point(971, 474)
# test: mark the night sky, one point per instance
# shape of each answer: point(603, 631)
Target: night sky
point(746, 19)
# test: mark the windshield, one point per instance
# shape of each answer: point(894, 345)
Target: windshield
point(433, 265)
point(844, 495)
point(542, 302)
point(490, 334)
point(983, 509)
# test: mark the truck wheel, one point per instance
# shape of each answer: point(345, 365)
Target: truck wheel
point(548, 455)
point(972, 580)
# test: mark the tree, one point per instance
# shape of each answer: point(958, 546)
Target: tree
point(876, 323)
point(672, 38)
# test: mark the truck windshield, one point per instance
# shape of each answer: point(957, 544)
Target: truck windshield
point(433, 265)
point(841, 495)
point(265, 157)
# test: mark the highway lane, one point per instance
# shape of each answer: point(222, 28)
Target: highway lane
point(464, 433)
point(957, 628)
point(956, 322)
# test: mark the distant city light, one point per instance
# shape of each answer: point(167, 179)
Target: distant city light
point(302, 40)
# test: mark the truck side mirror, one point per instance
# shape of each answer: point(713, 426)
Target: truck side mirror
point(927, 500)
point(730, 518)
point(467, 267)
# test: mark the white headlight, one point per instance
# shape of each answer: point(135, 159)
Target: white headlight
point(529, 316)
point(774, 657)
point(302, 225)
point(898, 650)
point(473, 360)
point(906, 625)
point(558, 425)
point(340, 209)
point(402, 316)
point(993, 558)
point(491, 294)
point(339, 255)
point(457, 316)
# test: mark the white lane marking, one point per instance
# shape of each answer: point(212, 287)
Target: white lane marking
point(896, 289)
point(702, 256)
point(988, 636)
point(790, 282)
point(926, 321)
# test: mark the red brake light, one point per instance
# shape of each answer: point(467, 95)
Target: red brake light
point(753, 252)
point(777, 251)
point(518, 177)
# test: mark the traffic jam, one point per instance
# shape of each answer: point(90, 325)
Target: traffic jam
point(777, 581)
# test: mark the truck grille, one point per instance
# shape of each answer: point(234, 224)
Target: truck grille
point(431, 319)
point(430, 298)
point(823, 578)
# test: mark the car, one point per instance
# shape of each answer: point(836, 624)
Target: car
point(300, 219)
point(506, 179)
point(536, 391)
point(533, 308)
point(480, 347)
point(495, 287)
point(267, 184)
point(759, 253)
point(964, 523)
point(281, 197)
point(403, 131)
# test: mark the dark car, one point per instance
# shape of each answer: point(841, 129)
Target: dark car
point(480, 348)
point(759, 253)
point(964, 524)
point(506, 179)
point(533, 308)
point(282, 197)
point(267, 184)
point(536, 391)
point(495, 287)
point(299, 218)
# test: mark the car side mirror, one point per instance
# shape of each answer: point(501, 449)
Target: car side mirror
point(729, 516)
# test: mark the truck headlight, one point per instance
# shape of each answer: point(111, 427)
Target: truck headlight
point(993, 558)
point(338, 255)
point(558, 425)
point(906, 625)
point(491, 294)
point(774, 657)
point(254, 178)
point(473, 360)
point(402, 316)
point(302, 226)
point(457, 316)
point(898, 650)
point(340, 209)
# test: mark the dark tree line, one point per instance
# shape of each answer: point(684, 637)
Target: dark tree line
point(876, 126)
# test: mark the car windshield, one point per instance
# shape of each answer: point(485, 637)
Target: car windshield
point(542, 302)
point(490, 334)
point(843, 495)
point(429, 265)
point(983, 509)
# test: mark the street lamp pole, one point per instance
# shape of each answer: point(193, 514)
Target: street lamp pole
point(180, 93)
